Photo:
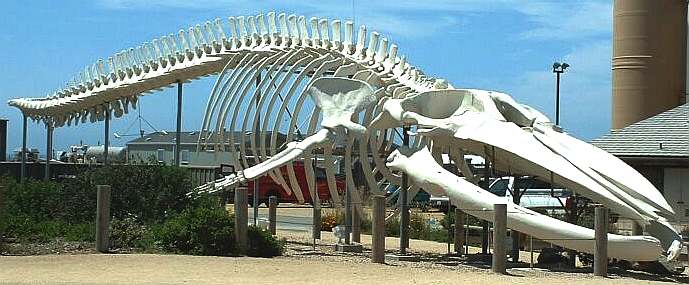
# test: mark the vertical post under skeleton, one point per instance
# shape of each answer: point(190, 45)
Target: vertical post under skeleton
point(600, 256)
point(106, 145)
point(103, 218)
point(499, 233)
point(404, 206)
point(48, 149)
point(178, 135)
point(272, 214)
point(241, 217)
point(22, 171)
point(378, 230)
point(257, 136)
point(348, 215)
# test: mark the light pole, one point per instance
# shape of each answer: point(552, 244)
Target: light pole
point(558, 68)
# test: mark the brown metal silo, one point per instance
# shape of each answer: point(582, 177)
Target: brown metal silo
point(649, 58)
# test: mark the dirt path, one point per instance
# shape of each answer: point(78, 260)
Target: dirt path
point(178, 269)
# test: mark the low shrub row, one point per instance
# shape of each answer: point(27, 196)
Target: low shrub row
point(419, 227)
point(150, 209)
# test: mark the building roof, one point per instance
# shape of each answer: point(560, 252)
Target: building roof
point(165, 137)
point(663, 135)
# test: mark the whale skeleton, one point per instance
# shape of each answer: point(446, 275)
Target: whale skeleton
point(352, 91)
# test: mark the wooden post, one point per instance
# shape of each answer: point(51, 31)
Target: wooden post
point(600, 258)
point(103, 218)
point(499, 236)
point(378, 230)
point(272, 214)
point(356, 226)
point(241, 217)
point(459, 231)
point(316, 227)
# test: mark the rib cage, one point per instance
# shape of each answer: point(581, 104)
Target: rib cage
point(269, 45)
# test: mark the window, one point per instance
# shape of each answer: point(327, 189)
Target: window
point(499, 187)
point(161, 155)
point(184, 156)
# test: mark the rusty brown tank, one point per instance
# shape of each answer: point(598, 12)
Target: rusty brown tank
point(649, 58)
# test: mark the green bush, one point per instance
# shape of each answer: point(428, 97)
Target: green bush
point(27, 229)
point(204, 229)
point(128, 233)
point(263, 244)
point(151, 193)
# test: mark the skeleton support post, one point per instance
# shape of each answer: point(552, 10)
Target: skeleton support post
point(499, 233)
point(404, 205)
point(22, 172)
point(600, 258)
point(241, 217)
point(272, 213)
point(459, 230)
point(103, 218)
point(178, 136)
point(356, 226)
point(48, 149)
point(348, 215)
point(106, 145)
point(378, 229)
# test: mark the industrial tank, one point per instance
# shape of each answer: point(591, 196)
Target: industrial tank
point(649, 58)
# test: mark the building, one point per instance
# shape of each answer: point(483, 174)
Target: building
point(158, 147)
point(657, 147)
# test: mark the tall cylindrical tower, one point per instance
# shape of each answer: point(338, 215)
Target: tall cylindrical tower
point(649, 58)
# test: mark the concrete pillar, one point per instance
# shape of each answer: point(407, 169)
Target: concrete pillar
point(459, 235)
point(241, 218)
point(499, 236)
point(48, 150)
point(600, 256)
point(356, 225)
point(103, 218)
point(272, 214)
point(404, 205)
point(178, 136)
point(378, 230)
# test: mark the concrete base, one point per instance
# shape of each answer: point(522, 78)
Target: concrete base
point(349, 248)
point(397, 257)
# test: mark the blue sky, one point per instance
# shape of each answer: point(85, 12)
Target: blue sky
point(504, 45)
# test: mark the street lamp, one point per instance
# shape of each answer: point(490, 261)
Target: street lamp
point(558, 68)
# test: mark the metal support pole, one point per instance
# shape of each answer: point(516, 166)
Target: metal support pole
point(356, 226)
point(515, 234)
point(272, 214)
point(404, 205)
point(48, 150)
point(459, 231)
point(484, 237)
point(241, 218)
point(178, 135)
point(257, 137)
point(348, 216)
point(637, 229)
point(255, 200)
point(378, 230)
point(499, 236)
point(103, 218)
point(106, 146)
point(600, 258)
point(22, 175)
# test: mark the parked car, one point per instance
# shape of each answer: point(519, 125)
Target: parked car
point(534, 194)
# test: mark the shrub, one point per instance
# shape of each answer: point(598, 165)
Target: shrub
point(204, 229)
point(331, 219)
point(128, 233)
point(263, 244)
